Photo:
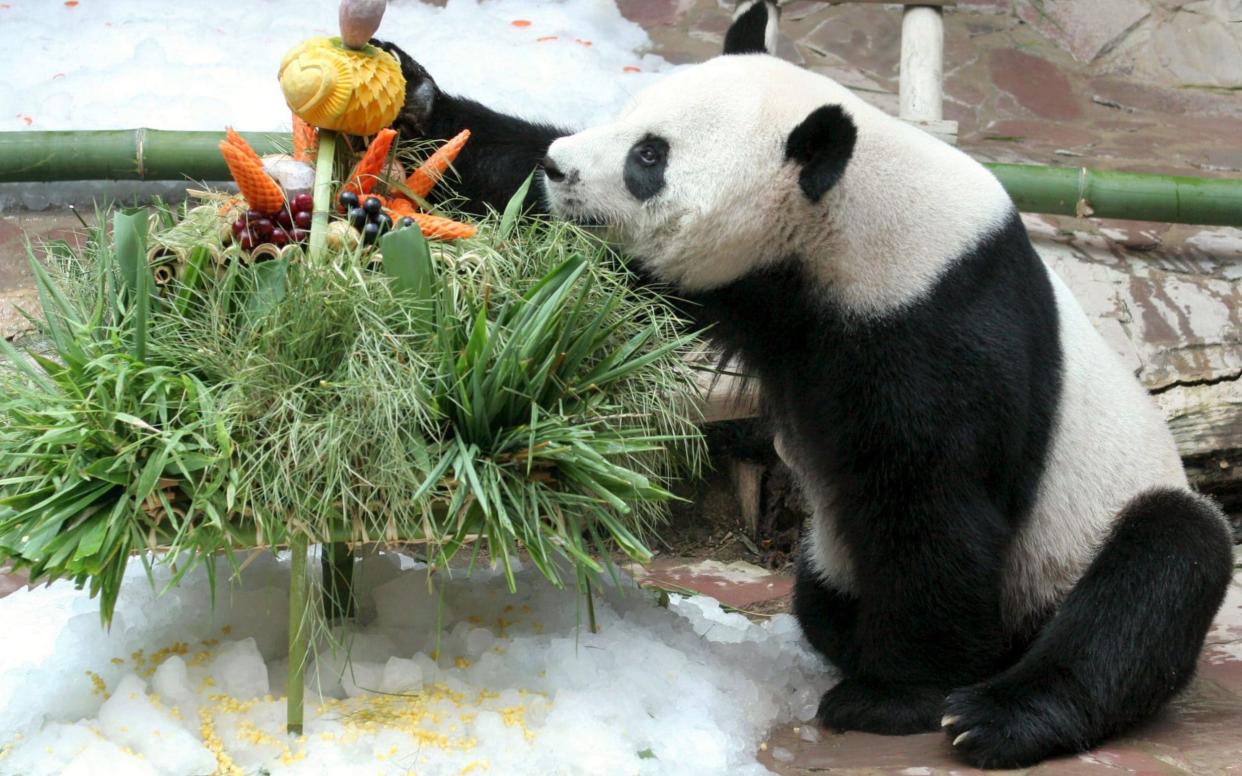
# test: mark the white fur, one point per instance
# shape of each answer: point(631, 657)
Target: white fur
point(1109, 444)
point(906, 209)
point(731, 201)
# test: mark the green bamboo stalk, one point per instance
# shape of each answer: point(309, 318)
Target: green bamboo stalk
point(322, 194)
point(1133, 196)
point(337, 564)
point(299, 630)
point(152, 154)
point(121, 154)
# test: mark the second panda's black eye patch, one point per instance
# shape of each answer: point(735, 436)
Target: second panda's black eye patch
point(644, 167)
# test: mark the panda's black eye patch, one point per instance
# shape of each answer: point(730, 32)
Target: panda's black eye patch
point(644, 167)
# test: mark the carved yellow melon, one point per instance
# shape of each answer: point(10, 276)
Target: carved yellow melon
point(330, 86)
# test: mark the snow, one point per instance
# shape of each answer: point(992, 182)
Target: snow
point(112, 64)
point(509, 683)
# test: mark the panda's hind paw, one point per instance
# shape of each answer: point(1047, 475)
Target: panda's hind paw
point(998, 724)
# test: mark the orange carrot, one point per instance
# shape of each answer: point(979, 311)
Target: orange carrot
point(305, 140)
point(399, 207)
point(363, 177)
point(425, 177)
point(437, 228)
point(261, 192)
point(240, 143)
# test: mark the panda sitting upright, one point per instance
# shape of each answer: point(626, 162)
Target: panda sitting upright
point(1003, 541)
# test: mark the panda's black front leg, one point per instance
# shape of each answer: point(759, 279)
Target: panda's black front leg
point(503, 150)
point(829, 620)
point(924, 617)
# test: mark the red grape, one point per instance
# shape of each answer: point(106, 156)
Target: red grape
point(283, 218)
point(303, 219)
point(248, 242)
point(303, 202)
point(262, 228)
point(279, 238)
point(239, 227)
point(254, 215)
point(301, 235)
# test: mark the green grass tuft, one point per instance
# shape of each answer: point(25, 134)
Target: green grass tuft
point(508, 392)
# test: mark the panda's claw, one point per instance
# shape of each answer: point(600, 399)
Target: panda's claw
point(962, 737)
point(949, 719)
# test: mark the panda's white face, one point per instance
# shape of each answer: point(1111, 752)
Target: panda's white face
point(692, 177)
point(742, 161)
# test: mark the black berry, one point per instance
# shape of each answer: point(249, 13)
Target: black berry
point(369, 233)
point(372, 206)
point(349, 201)
point(357, 218)
point(406, 221)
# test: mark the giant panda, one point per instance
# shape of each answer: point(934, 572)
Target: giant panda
point(1003, 542)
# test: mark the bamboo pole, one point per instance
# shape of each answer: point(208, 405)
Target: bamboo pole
point(119, 154)
point(299, 630)
point(1135, 196)
point(158, 154)
point(337, 564)
point(322, 195)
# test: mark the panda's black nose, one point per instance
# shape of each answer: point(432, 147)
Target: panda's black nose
point(551, 170)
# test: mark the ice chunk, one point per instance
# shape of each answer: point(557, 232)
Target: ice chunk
point(361, 678)
point(132, 719)
point(478, 640)
point(239, 671)
point(401, 675)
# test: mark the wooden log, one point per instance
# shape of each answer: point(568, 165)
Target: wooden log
point(921, 89)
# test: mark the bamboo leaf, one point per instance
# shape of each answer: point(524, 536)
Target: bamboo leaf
point(407, 260)
point(513, 210)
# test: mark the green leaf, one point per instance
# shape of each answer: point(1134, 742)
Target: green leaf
point(407, 260)
point(270, 286)
point(129, 235)
point(513, 210)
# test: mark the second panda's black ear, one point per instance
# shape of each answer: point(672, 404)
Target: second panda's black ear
point(822, 144)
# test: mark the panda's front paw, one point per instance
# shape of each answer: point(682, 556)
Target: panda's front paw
point(420, 88)
point(1007, 724)
point(858, 704)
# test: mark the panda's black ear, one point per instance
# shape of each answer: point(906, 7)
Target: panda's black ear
point(822, 144)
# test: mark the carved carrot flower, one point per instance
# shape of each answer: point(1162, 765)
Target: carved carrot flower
point(366, 172)
point(261, 192)
point(305, 140)
point(426, 176)
point(439, 228)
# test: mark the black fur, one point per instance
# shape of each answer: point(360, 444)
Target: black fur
point(1122, 644)
point(644, 167)
point(822, 144)
point(929, 429)
point(747, 33)
point(502, 151)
